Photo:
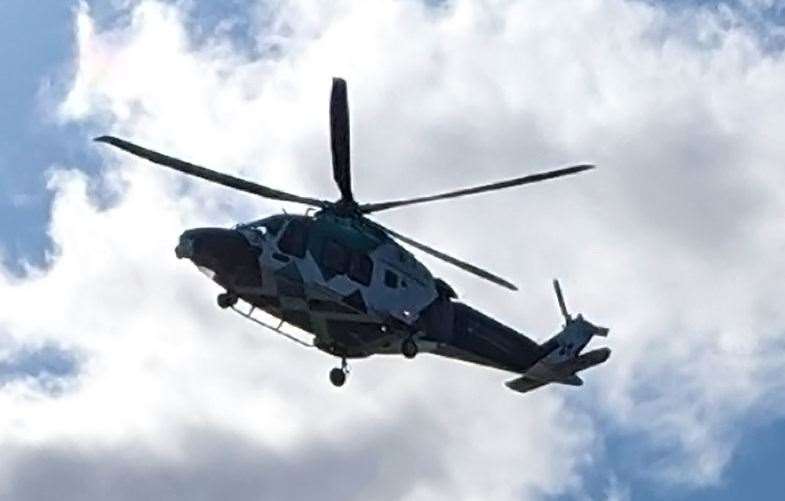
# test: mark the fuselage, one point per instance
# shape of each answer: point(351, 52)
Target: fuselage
point(359, 293)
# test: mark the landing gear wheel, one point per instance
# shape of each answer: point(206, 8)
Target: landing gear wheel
point(226, 300)
point(409, 348)
point(337, 377)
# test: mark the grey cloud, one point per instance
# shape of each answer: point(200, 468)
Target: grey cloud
point(384, 460)
point(695, 190)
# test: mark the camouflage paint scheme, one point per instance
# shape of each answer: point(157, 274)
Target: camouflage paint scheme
point(329, 276)
point(348, 318)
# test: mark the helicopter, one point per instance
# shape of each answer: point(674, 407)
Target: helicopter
point(345, 279)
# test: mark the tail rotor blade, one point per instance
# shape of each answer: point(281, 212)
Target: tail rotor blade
point(339, 138)
point(560, 298)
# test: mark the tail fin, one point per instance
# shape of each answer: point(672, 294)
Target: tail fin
point(575, 335)
point(562, 357)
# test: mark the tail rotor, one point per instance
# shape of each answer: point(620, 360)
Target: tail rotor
point(562, 304)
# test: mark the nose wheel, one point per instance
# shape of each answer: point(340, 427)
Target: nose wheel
point(409, 348)
point(338, 374)
point(226, 300)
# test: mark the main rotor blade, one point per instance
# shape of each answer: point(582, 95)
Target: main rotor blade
point(208, 174)
point(560, 298)
point(453, 261)
point(532, 178)
point(339, 138)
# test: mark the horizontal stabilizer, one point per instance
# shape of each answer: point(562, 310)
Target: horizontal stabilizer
point(564, 373)
point(590, 359)
point(524, 384)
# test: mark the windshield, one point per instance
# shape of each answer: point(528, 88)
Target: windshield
point(268, 226)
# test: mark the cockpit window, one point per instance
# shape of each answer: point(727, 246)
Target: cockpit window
point(335, 257)
point(273, 225)
point(361, 268)
point(294, 239)
point(268, 226)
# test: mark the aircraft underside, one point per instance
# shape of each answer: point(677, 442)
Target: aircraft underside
point(345, 327)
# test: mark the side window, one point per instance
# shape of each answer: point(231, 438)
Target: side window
point(335, 257)
point(294, 239)
point(273, 226)
point(390, 279)
point(361, 268)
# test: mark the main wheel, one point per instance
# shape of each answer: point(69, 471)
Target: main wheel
point(337, 377)
point(226, 299)
point(409, 348)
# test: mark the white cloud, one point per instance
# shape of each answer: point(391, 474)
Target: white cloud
point(674, 243)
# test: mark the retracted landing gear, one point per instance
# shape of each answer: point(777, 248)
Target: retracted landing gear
point(226, 300)
point(338, 374)
point(409, 348)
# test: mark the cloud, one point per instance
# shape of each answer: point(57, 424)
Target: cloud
point(674, 243)
point(213, 463)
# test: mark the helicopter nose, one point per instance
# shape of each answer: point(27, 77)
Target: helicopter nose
point(185, 247)
point(226, 253)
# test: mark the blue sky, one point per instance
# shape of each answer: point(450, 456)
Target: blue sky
point(38, 46)
point(37, 43)
point(752, 474)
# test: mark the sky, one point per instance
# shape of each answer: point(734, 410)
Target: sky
point(120, 379)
